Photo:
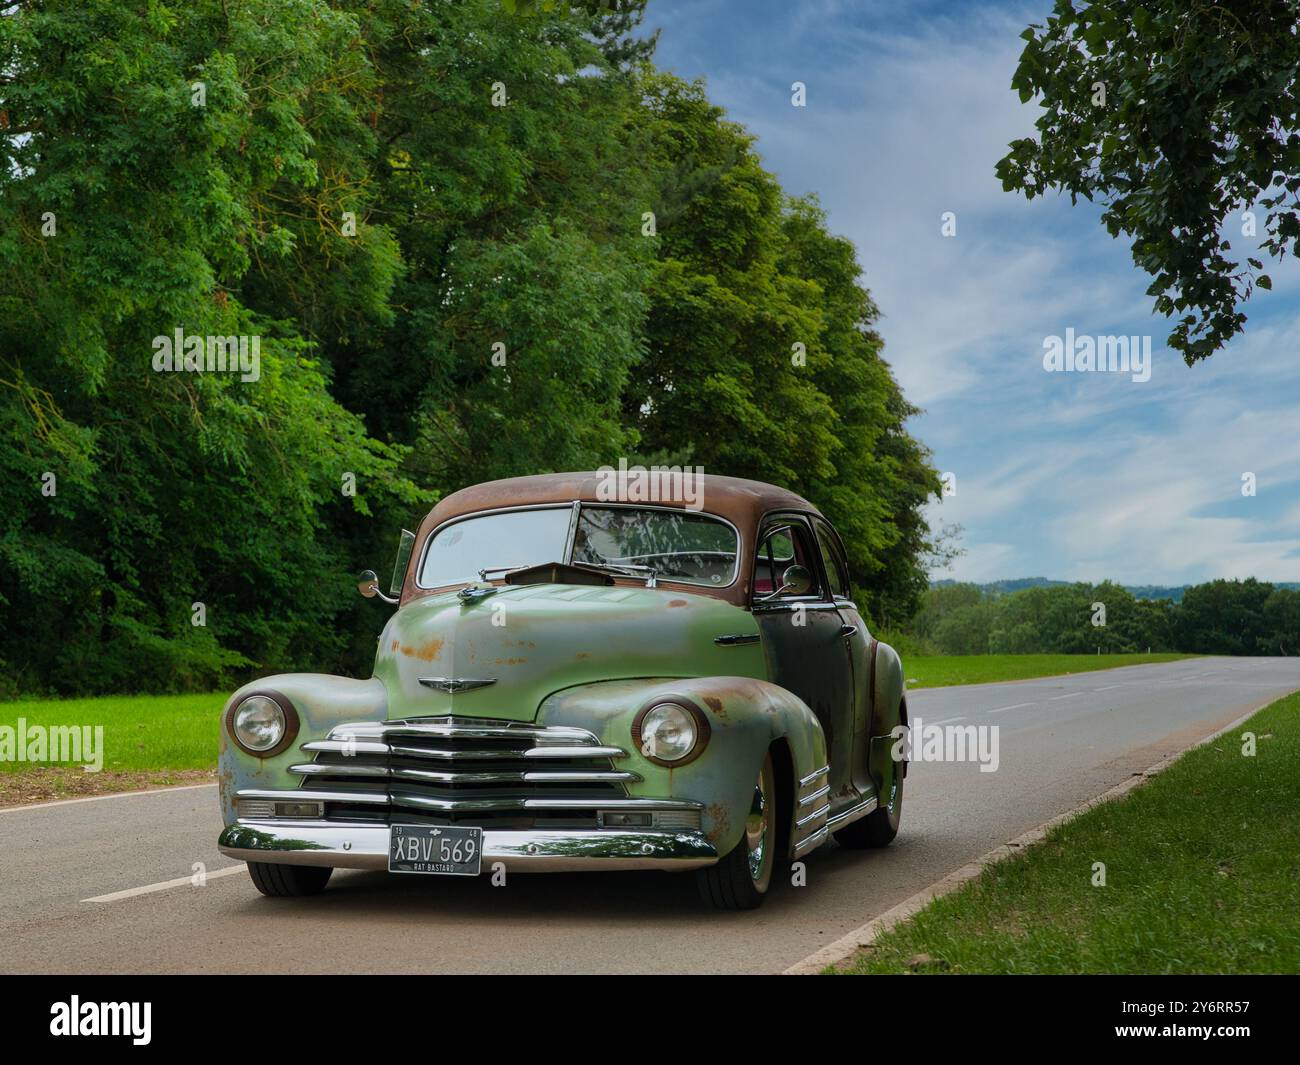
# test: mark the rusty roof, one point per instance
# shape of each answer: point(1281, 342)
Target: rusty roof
point(740, 501)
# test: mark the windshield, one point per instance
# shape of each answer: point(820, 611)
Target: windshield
point(678, 545)
point(501, 541)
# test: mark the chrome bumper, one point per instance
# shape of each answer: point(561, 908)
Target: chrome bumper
point(527, 850)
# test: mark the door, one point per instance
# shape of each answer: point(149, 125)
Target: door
point(804, 640)
point(861, 649)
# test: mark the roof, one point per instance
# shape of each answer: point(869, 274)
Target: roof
point(739, 501)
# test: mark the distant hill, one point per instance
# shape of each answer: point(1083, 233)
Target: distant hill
point(1140, 591)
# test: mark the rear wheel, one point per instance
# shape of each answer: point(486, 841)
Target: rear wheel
point(741, 879)
point(879, 827)
point(283, 881)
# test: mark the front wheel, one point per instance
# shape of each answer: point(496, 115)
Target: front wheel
point(741, 879)
point(284, 881)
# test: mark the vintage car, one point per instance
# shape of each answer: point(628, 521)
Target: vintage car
point(570, 683)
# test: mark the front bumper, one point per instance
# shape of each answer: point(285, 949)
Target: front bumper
point(524, 850)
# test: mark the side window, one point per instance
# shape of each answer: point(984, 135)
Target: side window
point(782, 544)
point(835, 568)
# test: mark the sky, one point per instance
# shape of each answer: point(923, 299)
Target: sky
point(1071, 476)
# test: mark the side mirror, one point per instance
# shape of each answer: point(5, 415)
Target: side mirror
point(795, 581)
point(368, 586)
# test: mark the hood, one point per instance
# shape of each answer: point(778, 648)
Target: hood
point(533, 640)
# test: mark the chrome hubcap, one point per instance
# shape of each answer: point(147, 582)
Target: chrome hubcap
point(756, 829)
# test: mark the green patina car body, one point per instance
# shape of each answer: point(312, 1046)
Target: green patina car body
point(508, 707)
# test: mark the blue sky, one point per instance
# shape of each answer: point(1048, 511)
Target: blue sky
point(1076, 476)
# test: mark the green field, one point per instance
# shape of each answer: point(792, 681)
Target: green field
point(1202, 868)
point(939, 671)
point(141, 732)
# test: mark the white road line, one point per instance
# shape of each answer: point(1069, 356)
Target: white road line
point(101, 798)
point(1109, 687)
point(1071, 695)
point(149, 889)
point(1013, 706)
point(947, 720)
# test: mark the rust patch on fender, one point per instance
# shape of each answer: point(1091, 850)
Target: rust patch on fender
point(510, 661)
point(721, 823)
point(678, 602)
point(581, 656)
point(426, 653)
point(715, 704)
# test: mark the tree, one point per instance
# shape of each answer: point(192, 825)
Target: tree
point(1180, 116)
point(762, 359)
point(1225, 618)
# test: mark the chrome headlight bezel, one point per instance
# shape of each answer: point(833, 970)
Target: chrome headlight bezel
point(286, 715)
point(643, 733)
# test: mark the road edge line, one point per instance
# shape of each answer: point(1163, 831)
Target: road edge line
point(109, 795)
point(864, 935)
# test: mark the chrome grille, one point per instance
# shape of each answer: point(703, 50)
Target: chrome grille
point(447, 770)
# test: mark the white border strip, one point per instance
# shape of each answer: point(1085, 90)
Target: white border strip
point(864, 935)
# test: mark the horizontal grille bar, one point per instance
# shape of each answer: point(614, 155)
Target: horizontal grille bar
point(436, 776)
point(459, 730)
point(421, 801)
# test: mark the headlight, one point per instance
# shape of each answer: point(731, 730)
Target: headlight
point(263, 724)
point(670, 733)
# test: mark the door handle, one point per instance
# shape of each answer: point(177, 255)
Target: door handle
point(848, 630)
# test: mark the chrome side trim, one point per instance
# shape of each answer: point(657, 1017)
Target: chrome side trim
point(366, 847)
point(811, 798)
point(812, 842)
point(823, 771)
point(850, 815)
point(816, 815)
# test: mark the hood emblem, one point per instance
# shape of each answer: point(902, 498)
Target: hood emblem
point(453, 685)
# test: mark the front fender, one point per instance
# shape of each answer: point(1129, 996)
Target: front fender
point(746, 717)
point(321, 701)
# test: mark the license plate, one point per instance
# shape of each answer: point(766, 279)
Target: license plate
point(449, 850)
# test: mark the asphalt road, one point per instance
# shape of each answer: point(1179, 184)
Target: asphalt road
point(1062, 740)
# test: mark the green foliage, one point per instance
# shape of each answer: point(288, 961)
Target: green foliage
point(762, 358)
point(1222, 617)
point(431, 216)
point(1177, 116)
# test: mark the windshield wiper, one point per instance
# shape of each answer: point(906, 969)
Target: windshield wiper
point(648, 573)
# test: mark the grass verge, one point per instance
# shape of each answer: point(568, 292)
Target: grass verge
point(1202, 873)
point(939, 671)
point(148, 741)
